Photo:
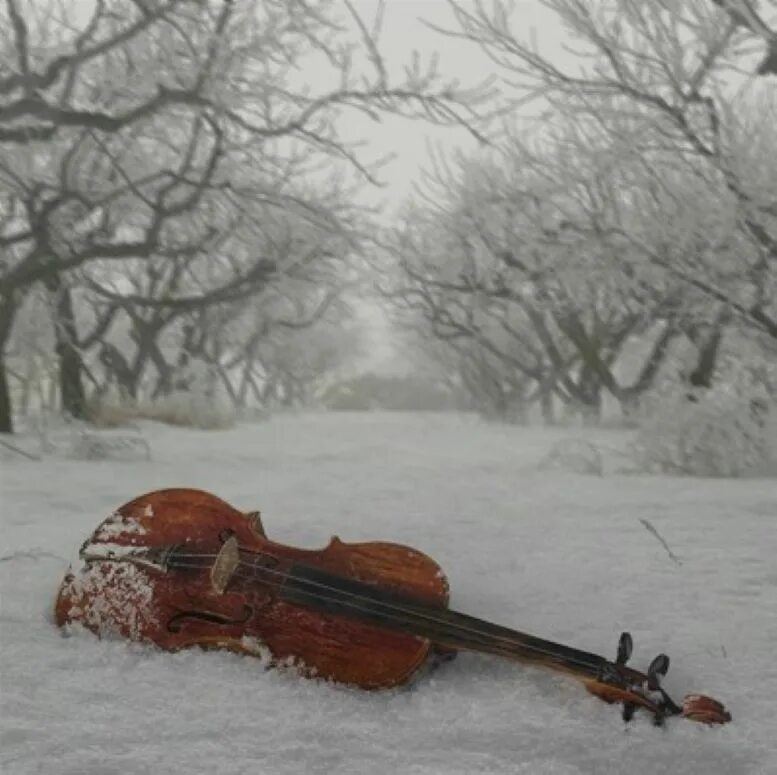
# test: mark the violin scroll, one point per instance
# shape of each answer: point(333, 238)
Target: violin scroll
point(700, 707)
point(632, 689)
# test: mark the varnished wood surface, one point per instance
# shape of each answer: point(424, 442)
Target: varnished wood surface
point(118, 598)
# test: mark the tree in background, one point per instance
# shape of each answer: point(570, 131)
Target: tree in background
point(662, 86)
point(632, 211)
point(144, 143)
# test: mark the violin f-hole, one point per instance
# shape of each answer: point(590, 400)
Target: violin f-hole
point(177, 621)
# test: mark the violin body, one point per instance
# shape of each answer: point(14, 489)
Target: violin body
point(182, 608)
point(181, 568)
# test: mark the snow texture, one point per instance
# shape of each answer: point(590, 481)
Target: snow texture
point(562, 555)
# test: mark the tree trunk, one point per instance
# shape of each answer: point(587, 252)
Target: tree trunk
point(592, 411)
point(590, 402)
point(242, 391)
point(6, 413)
point(630, 395)
point(70, 367)
point(7, 310)
point(164, 383)
point(519, 410)
point(706, 363)
point(546, 402)
point(117, 368)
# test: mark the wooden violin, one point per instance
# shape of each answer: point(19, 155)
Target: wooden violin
point(180, 568)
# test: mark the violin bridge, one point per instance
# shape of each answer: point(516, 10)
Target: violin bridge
point(225, 565)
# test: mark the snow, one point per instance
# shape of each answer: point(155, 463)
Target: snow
point(564, 556)
point(116, 525)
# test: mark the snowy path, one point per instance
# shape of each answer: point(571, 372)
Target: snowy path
point(561, 555)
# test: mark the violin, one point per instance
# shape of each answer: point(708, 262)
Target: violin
point(181, 568)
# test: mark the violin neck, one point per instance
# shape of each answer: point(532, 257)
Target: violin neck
point(464, 632)
point(329, 593)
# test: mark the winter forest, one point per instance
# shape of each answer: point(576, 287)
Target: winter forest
point(187, 214)
point(464, 274)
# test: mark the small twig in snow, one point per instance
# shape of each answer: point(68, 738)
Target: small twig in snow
point(18, 451)
point(32, 554)
point(649, 527)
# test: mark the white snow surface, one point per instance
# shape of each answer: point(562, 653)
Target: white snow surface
point(557, 554)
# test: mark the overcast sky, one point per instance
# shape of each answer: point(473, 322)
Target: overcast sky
point(403, 31)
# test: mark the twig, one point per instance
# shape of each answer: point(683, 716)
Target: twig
point(649, 527)
point(18, 451)
point(32, 554)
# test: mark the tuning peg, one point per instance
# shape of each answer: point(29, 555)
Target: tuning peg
point(659, 717)
point(628, 711)
point(625, 647)
point(657, 669)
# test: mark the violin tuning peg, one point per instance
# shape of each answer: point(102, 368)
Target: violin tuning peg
point(657, 669)
point(660, 665)
point(628, 711)
point(625, 648)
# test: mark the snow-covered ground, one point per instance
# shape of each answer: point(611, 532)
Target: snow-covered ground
point(562, 555)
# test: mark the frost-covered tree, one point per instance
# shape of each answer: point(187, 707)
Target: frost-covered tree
point(508, 260)
point(634, 207)
point(146, 131)
point(662, 84)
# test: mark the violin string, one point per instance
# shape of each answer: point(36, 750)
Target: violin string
point(406, 615)
point(514, 640)
point(409, 613)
